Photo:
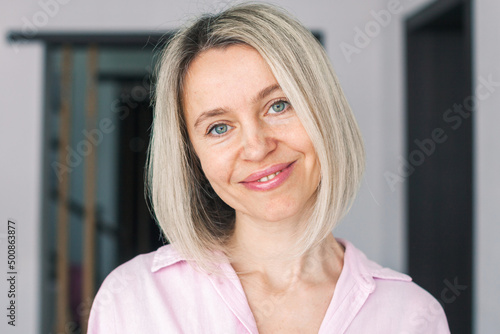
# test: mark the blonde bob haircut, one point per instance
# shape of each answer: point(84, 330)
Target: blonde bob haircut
point(189, 212)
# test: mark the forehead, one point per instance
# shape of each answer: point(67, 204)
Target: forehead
point(229, 57)
point(219, 74)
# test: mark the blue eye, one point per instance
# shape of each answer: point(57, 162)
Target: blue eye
point(279, 106)
point(219, 129)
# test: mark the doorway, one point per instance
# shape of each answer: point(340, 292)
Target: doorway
point(439, 119)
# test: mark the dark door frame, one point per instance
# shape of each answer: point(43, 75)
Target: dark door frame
point(439, 142)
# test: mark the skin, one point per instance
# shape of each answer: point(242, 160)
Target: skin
point(256, 132)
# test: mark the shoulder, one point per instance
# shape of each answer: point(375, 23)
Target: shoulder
point(393, 301)
point(136, 286)
point(408, 306)
point(137, 272)
point(407, 297)
point(158, 292)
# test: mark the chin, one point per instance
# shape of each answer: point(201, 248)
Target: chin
point(273, 215)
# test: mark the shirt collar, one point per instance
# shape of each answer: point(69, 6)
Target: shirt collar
point(356, 283)
point(165, 256)
point(363, 269)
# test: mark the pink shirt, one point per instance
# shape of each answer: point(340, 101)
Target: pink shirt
point(160, 292)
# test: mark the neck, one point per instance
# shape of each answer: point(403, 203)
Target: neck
point(259, 250)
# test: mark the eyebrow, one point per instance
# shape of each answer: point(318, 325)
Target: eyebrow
point(220, 111)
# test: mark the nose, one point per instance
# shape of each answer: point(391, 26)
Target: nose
point(257, 140)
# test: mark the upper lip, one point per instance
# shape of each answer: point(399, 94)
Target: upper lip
point(268, 171)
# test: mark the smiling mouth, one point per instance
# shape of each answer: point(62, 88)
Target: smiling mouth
point(268, 173)
point(269, 178)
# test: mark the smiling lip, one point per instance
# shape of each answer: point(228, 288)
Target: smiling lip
point(268, 171)
point(251, 182)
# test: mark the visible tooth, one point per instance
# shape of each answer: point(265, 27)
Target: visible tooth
point(269, 177)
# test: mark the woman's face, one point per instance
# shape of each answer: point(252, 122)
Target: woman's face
point(252, 146)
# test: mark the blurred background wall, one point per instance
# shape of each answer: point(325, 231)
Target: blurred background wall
point(373, 78)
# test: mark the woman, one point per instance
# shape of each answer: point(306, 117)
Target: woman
point(255, 156)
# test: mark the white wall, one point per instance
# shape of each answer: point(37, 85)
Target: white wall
point(372, 80)
point(20, 170)
point(487, 167)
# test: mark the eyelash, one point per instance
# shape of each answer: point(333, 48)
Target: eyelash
point(212, 127)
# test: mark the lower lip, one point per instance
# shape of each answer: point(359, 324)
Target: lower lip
point(273, 183)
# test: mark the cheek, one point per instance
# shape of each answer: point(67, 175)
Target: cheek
point(299, 139)
point(215, 166)
point(303, 143)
